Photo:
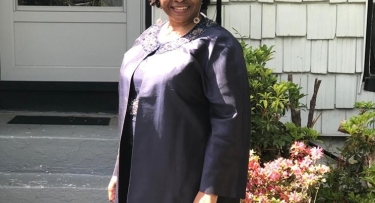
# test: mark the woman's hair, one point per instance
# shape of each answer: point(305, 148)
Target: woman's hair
point(156, 3)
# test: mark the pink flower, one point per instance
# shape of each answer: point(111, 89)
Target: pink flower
point(298, 147)
point(322, 169)
point(316, 153)
point(296, 170)
point(305, 163)
point(274, 176)
point(294, 197)
point(285, 180)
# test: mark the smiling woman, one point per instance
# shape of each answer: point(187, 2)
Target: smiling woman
point(102, 3)
point(203, 7)
point(183, 113)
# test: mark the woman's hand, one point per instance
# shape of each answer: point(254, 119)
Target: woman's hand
point(205, 198)
point(112, 189)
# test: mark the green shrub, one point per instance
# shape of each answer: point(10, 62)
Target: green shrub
point(270, 100)
point(353, 179)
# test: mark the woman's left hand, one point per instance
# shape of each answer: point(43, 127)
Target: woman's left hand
point(205, 198)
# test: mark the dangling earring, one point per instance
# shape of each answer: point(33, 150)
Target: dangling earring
point(197, 19)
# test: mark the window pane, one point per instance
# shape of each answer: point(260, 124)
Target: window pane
point(103, 3)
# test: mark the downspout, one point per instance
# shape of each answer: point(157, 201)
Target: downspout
point(218, 12)
point(366, 47)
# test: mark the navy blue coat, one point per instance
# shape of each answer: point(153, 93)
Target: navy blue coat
point(193, 121)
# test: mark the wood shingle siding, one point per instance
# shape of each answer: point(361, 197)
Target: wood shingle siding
point(342, 55)
point(313, 0)
point(359, 55)
point(319, 56)
point(291, 20)
point(357, 1)
point(265, 1)
point(365, 96)
point(331, 120)
point(321, 21)
point(346, 85)
point(337, 1)
point(350, 20)
point(235, 0)
point(255, 22)
point(297, 51)
point(268, 21)
point(231, 16)
point(288, 0)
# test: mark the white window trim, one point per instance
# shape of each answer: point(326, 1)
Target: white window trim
point(69, 8)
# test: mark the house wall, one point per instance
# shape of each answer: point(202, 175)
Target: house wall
point(312, 39)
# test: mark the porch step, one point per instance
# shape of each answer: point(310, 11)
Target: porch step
point(48, 154)
point(57, 154)
point(52, 188)
point(56, 163)
point(58, 148)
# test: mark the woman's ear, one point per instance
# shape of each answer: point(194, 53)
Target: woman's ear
point(155, 3)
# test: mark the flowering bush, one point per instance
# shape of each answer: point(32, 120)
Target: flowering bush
point(283, 180)
point(353, 178)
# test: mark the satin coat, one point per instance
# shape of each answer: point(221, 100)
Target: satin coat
point(193, 121)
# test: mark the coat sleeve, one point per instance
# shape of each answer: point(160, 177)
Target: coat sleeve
point(226, 87)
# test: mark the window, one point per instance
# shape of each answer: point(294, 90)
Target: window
point(369, 69)
point(98, 3)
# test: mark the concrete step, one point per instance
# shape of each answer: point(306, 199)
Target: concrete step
point(57, 148)
point(57, 155)
point(52, 188)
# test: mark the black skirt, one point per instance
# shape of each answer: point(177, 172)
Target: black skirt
point(125, 158)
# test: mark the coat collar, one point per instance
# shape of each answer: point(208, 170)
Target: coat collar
point(150, 41)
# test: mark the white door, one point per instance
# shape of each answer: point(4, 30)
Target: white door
point(66, 42)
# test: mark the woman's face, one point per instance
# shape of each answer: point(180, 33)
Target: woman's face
point(181, 11)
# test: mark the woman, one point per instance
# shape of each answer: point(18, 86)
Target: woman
point(184, 113)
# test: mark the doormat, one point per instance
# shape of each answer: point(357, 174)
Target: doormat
point(60, 120)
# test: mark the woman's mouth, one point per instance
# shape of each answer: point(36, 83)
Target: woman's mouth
point(180, 9)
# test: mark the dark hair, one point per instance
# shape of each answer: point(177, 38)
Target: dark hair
point(156, 3)
point(205, 5)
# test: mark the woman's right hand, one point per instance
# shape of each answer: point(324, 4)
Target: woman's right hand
point(112, 189)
